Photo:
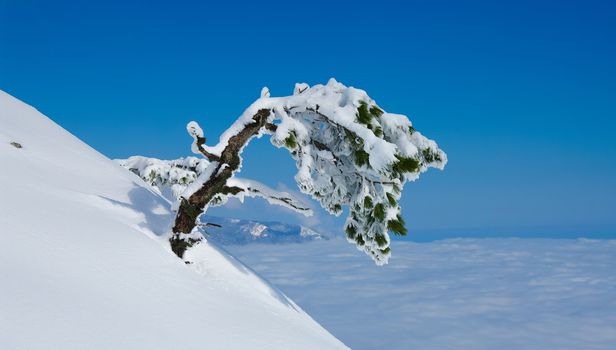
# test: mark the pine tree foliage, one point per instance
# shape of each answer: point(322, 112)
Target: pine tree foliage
point(351, 153)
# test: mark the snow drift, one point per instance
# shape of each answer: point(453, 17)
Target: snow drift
point(84, 262)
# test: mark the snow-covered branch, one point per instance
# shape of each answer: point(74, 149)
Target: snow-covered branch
point(213, 181)
point(349, 153)
point(196, 132)
point(251, 188)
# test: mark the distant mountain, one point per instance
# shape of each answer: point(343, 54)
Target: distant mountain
point(229, 231)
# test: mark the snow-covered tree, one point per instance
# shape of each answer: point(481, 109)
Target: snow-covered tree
point(349, 153)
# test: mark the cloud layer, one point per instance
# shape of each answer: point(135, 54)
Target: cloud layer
point(453, 294)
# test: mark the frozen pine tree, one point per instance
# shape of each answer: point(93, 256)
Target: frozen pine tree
point(349, 153)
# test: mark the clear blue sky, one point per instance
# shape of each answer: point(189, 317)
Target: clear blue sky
point(521, 94)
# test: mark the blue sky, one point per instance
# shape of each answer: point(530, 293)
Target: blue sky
point(521, 94)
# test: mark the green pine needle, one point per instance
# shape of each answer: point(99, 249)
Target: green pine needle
point(391, 199)
point(360, 240)
point(380, 239)
point(363, 114)
point(397, 226)
point(376, 111)
point(291, 140)
point(379, 212)
point(361, 157)
point(385, 251)
point(405, 165)
point(336, 208)
point(351, 231)
point(378, 131)
point(430, 156)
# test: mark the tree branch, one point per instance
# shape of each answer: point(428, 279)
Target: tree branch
point(253, 188)
point(229, 161)
point(271, 127)
point(200, 141)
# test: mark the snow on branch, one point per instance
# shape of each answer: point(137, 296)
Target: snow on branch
point(251, 188)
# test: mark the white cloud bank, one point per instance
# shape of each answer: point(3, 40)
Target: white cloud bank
point(453, 294)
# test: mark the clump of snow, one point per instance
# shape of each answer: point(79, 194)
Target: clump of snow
point(85, 259)
point(195, 131)
point(265, 92)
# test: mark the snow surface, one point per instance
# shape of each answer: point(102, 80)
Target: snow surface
point(453, 294)
point(84, 262)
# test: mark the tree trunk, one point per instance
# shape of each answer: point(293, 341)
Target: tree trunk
point(228, 163)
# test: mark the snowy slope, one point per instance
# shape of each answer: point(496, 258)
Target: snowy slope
point(83, 264)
